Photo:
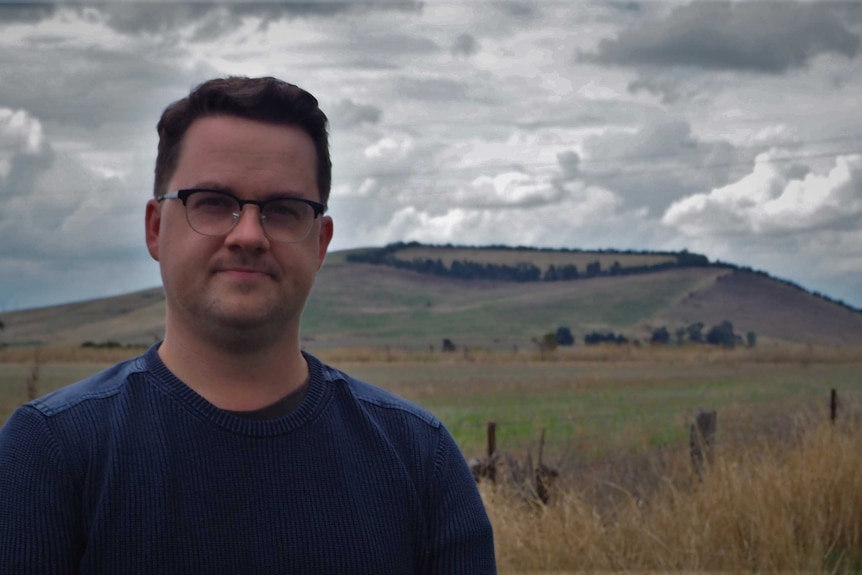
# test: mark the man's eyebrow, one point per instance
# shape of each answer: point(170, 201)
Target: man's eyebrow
point(209, 185)
point(274, 195)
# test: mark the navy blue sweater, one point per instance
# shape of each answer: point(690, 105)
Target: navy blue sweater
point(130, 471)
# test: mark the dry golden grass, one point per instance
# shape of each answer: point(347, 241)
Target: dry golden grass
point(95, 355)
point(687, 354)
point(790, 505)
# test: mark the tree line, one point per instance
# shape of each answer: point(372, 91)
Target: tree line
point(722, 334)
point(519, 272)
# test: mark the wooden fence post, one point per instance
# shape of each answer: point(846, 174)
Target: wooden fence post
point(486, 467)
point(833, 405)
point(701, 439)
point(544, 476)
point(492, 451)
point(33, 378)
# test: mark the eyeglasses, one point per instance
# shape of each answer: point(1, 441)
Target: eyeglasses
point(216, 212)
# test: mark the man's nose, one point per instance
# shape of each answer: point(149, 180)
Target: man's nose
point(248, 230)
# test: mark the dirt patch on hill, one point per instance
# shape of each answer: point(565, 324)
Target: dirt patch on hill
point(754, 302)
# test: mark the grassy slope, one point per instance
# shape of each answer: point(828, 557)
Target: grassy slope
point(754, 302)
point(131, 318)
point(356, 303)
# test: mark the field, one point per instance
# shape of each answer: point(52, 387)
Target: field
point(615, 424)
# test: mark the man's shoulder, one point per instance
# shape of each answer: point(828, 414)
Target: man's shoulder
point(103, 384)
point(379, 398)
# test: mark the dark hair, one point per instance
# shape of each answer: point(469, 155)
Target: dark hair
point(268, 100)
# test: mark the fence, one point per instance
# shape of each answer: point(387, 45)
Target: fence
point(537, 479)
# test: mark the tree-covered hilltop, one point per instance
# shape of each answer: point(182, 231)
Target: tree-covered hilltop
point(521, 268)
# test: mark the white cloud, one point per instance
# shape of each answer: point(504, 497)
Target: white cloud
point(771, 201)
point(581, 219)
point(390, 150)
point(508, 189)
point(20, 133)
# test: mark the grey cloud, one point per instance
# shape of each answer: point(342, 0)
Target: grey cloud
point(521, 10)
point(431, 89)
point(766, 37)
point(659, 164)
point(25, 13)
point(625, 6)
point(348, 114)
point(58, 210)
point(209, 19)
point(670, 90)
point(465, 45)
point(393, 44)
point(569, 163)
point(92, 86)
point(25, 170)
point(656, 138)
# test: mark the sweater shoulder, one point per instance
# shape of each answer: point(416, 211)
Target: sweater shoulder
point(379, 398)
point(104, 384)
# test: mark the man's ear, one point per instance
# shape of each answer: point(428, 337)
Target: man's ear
point(323, 239)
point(153, 224)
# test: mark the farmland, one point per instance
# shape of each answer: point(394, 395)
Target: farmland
point(356, 304)
point(616, 428)
point(599, 400)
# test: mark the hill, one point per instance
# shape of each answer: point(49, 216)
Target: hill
point(368, 304)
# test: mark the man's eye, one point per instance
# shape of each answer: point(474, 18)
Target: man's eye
point(283, 210)
point(214, 202)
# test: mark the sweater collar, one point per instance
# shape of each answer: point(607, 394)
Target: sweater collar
point(318, 395)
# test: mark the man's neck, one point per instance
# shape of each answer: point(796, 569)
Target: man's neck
point(235, 380)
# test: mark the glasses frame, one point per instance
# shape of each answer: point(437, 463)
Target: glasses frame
point(184, 195)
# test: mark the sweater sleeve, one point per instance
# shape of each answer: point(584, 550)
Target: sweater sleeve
point(39, 503)
point(461, 540)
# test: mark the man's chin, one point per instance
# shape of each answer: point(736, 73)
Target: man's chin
point(245, 332)
point(246, 318)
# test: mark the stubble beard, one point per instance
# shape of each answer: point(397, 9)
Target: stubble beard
point(234, 327)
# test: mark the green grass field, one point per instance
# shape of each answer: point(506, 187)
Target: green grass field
point(601, 407)
point(589, 407)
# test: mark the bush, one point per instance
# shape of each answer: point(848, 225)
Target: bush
point(564, 336)
point(722, 334)
point(660, 336)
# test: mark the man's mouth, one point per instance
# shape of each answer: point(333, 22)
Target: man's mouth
point(241, 272)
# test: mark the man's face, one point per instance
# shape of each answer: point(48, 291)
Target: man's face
point(242, 282)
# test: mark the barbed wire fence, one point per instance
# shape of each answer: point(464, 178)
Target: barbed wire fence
point(526, 451)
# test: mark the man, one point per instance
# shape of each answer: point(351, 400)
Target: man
point(226, 449)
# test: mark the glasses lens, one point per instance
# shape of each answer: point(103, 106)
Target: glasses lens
point(211, 213)
point(287, 220)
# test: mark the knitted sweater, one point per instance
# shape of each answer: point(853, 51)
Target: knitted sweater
point(130, 471)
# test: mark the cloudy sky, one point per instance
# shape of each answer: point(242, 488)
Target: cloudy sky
point(732, 129)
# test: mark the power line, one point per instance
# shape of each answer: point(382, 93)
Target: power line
point(589, 175)
point(621, 159)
